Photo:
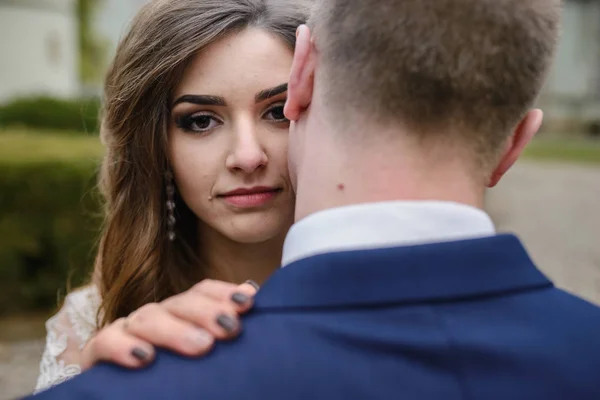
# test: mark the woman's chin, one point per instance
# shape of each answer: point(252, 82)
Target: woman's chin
point(254, 236)
point(257, 229)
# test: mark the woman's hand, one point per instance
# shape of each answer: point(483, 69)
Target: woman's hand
point(187, 323)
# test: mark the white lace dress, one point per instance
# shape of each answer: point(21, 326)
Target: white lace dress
point(67, 332)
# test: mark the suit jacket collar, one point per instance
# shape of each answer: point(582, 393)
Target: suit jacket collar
point(425, 273)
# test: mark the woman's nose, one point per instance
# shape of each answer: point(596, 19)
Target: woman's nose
point(248, 154)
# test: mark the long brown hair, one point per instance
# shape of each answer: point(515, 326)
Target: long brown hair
point(136, 263)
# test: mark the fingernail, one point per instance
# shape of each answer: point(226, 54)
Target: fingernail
point(253, 284)
point(140, 354)
point(240, 298)
point(226, 322)
point(201, 338)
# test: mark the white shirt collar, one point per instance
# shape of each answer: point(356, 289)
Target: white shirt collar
point(387, 224)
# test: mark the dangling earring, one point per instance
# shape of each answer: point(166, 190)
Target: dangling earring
point(170, 206)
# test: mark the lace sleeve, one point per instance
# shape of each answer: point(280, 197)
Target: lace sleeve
point(67, 332)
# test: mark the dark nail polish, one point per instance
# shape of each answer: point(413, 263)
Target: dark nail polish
point(240, 298)
point(226, 322)
point(140, 354)
point(253, 284)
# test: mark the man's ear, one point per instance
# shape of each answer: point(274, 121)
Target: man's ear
point(525, 131)
point(300, 84)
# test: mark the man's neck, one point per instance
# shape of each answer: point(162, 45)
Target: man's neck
point(379, 172)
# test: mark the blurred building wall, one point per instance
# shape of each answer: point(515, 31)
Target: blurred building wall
point(572, 93)
point(38, 48)
point(110, 25)
point(113, 20)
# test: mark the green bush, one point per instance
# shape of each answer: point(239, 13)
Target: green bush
point(49, 220)
point(80, 116)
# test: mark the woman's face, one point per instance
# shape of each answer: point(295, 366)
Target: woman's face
point(228, 137)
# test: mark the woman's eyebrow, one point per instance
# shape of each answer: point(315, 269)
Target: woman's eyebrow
point(208, 100)
point(272, 92)
point(203, 100)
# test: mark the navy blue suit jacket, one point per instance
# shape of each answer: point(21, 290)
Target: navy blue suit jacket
point(471, 319)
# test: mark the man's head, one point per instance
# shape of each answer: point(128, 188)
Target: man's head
point(450, 79)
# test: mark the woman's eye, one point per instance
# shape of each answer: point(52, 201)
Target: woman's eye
point(276, 114)
point(198, 123)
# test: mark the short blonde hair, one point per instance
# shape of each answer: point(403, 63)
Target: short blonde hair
point(472, 67)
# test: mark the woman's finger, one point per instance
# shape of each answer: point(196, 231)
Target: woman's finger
point(155, 324)
point(249, 287)
point(220, 318)
point(115, 345)
point(240, 296)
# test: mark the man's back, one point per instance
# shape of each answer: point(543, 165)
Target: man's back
point(469, 319)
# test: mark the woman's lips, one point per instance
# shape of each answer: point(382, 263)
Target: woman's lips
point(250, 198)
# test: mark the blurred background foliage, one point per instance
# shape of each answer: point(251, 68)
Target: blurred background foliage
point(50, 211)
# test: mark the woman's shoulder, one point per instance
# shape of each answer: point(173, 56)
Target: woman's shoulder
point(84, 298)
point(67, 332)
point(81, 310)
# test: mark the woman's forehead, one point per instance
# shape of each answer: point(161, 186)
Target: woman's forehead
point(243, 63)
